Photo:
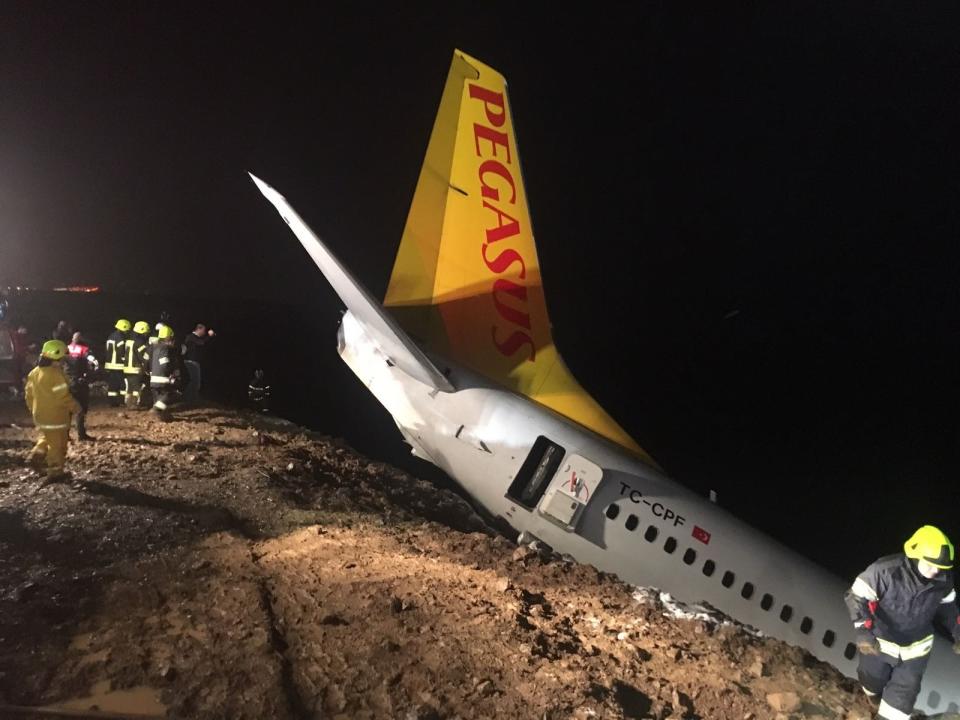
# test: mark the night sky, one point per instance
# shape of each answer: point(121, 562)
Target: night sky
point(747, 220)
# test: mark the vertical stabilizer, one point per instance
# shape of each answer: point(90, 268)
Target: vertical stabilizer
point(466, 281)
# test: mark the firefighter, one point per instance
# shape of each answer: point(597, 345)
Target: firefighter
point(258, 392)
point(113, 362)
point(894, 604)
point(47, 393)
point(133, 359)
point(163, 371)
point(80, 367)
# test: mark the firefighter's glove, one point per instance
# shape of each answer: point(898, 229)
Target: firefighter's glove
point(867, 644)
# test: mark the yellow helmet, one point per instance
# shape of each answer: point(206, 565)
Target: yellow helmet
point(930, 544)
point(165, 332)
point(53, 350)
point(142, 327)
point(123, 325)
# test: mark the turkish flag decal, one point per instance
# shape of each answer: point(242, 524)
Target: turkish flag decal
point(702, 535)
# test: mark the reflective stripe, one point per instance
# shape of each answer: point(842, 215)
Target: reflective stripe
point(112, 393)
point(164, 360)
point(159, 379)
point(951, 597)
point(861, 589)
point(907, 652)
point(160, 405)
point(52, 427)
point(57, 388)
point(112, 366)
point(860, 623)
point(889, 712)
point(868, 693)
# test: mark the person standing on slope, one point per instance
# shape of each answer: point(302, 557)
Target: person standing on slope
point(47, 393)
point(894, 604)
point(163, 372)
point(113, 362)
point(193, 349)
point(80, 366)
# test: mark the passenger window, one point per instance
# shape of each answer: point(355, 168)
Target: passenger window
point(806, 625)
point(747, 591)
point(708, 567)
point(651, 534)
point(850, 651)
point(670, 545)
point(786, 612)
point(727, 580)
point(829, 637)
point(612, 511)
point(690, 556)
point(766, 602)
point(632, 522)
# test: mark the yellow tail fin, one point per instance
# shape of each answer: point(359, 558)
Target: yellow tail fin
point(466, 280)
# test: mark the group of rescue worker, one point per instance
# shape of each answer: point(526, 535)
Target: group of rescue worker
point(139, 364)
point(141, 368)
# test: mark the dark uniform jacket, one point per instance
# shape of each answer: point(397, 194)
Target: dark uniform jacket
point(116, 351)
point(898, 605)
point(163, 364)
point(134, 351)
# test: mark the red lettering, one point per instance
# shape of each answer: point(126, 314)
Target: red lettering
point(504, 260)
point(506, 312)
point(517, 340)
point(501, 231)
point(496, 139)
point(497, 168)
point(491, 101)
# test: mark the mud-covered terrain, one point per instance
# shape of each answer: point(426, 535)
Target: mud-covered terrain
point(228, 566)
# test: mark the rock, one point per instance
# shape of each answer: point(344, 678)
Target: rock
point(758, 669)
point(523, 553)
point(503, 585)
point(784, 702)
point(485, 688)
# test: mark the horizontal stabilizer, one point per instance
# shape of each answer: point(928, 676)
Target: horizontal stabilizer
point(394, 342)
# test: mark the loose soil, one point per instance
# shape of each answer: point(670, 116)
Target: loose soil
point(226, 565)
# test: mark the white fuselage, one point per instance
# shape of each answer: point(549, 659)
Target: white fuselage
point(601, 505)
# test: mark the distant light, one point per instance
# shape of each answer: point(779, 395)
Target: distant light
point(79, 289)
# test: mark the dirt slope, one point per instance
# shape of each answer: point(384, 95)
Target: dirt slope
point(223, 567)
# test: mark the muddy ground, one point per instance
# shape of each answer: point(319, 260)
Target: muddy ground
point(227, 566)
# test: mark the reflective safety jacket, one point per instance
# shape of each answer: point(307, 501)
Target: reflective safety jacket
point(134, 349)
point(163, 364)
point(48, 397)
point(892, 600)
point(116, 351)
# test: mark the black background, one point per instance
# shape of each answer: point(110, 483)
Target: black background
point(746, 219)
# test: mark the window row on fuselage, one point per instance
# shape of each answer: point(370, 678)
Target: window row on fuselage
point(728, 579)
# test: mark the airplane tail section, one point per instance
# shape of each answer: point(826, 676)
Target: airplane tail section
point(466, 280)
point(395, 343)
